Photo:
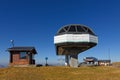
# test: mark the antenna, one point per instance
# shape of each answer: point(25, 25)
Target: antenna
point(109, 53)
point(12, 42)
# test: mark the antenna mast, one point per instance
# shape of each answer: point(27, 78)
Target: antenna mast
point(109, 53)
point(12, 42)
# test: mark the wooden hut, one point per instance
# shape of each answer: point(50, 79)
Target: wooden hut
point(22, 56)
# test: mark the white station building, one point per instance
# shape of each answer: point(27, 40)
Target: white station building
point(73, 39)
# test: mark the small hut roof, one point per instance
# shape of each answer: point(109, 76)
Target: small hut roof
point(30, 49)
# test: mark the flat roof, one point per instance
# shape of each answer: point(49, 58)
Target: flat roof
point(23, 48)
point(104, 60)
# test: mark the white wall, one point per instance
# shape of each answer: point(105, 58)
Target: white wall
point(75, 38)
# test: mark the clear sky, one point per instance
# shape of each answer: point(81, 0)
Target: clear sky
point(35, 22)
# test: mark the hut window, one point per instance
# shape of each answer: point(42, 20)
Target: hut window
point(22, 55)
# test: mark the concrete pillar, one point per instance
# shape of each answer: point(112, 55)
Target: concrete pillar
point(66, 60)
point(74, 60)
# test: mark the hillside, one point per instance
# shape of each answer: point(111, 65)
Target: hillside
point(60, 73)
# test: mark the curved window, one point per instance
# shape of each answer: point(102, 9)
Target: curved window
point(66, 28)
point(86, 29)
point(89, 31)
point(72, 29)
point(61, 31)
point(80, 29)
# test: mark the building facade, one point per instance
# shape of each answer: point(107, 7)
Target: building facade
point(22, 56)
point(104, 62)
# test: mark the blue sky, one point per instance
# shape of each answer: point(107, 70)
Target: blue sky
point(35, 22)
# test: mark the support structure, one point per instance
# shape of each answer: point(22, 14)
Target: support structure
point(66, 60)
point(74, 60)
point(71, 60)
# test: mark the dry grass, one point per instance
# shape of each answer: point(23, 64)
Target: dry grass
point(60, 73)
point(116, 64)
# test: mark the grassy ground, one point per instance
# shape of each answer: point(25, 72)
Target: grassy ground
point(60, 73)
point(116, 64)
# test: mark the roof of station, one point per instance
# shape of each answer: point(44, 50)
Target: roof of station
point(75, 29)
point(30, 49)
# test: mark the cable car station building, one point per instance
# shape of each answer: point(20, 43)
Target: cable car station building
point(22, 56)
point(70, 40)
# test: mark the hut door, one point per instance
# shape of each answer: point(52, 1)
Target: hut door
point(11, 58)
point(29, 58)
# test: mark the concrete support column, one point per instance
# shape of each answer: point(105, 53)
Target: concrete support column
point(74, 60)
point(66, 60)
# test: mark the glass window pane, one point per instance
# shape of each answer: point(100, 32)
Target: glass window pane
point(80, 29)
point(66, 28)
point(72, 29)
point(61, 31)
point(22, 55)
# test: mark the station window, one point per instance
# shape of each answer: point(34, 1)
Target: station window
point(72, 29)
point(80, 29)
point(61, 31)
point(22, 55)
point(66, 28)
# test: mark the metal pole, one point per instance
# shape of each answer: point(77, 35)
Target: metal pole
point(109, 53)
point(46, 58)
